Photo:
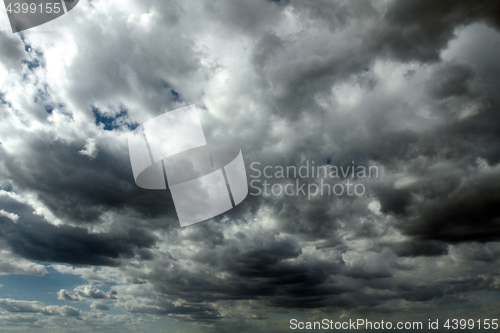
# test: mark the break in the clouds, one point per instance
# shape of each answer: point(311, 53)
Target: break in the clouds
point(410, 87)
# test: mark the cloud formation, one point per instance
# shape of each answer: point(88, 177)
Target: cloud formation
point(399, 85)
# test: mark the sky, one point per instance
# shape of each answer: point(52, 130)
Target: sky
point(408, 87)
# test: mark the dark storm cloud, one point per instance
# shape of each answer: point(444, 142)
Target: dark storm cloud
point(276, 272)
point(394, 200)
point(471, 213)
point(461, 140)
point(333, 82)
point(80, 189)
point(451, 80)
point(419, 248)
point(419, 30)
point(264, 268)
point(33, 238)
point(408, 31)
point(256, 270)
point(187, 312)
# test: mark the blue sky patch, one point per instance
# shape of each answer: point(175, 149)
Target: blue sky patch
point(112, 122)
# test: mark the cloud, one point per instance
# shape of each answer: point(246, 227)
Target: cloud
point(92, 292)
point(35, 239)
point(11, 264)
point(99, 306)
point(64, 295)
point(11, 305)
point(396, 84)
point(12, 216)
point(449, 219)
point(419, 30)
point(90, 149)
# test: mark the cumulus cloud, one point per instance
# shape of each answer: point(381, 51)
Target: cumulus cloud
point(99, 306)
point(36, 239)
point(399, 85)
point(88, 293)
point(11, 305)
point(92, 292)
point(64, 295)
point(90, 149)
point(10, 264)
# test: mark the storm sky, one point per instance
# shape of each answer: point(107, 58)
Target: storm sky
point(411, 87)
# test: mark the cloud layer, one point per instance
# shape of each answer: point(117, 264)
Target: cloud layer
point(399, 85)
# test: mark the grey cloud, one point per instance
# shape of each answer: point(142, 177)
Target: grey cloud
point(469, 213)
point(452, 80)
point(99, 306)
point(419, 30)
point(418, 248)
point(97, 184)
point(34, 238)
point(21, 306)
point(92, 292)
point(9, 264)
point(247, 17)
point(11, 305)
point(399, 84)
point(19, 319)
point(12, 53)
point(64, 295)
point(336, 15)
point(66, 311)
